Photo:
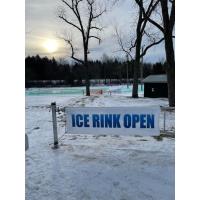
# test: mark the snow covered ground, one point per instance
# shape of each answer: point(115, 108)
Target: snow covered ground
point(89, 167)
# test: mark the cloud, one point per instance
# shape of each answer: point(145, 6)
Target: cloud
point(42, 22)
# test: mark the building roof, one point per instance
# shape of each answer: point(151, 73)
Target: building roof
point(161, 78)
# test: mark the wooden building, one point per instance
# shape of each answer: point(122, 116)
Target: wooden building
point(155, 86)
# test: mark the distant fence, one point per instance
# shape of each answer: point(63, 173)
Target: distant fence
point(60, 83)
point(46, 83)
point(95, 92)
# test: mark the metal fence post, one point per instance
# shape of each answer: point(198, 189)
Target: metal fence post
point(164, 119)
point(26, 142)
point(55, 133)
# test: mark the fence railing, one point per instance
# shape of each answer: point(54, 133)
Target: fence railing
point(167, 119)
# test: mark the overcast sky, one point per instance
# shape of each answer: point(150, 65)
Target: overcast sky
point(43, 24)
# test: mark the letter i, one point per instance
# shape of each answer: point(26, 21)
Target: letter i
point(73, 121)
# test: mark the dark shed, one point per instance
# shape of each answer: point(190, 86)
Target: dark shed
point(155, 86)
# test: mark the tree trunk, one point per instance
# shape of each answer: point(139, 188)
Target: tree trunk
point(168, 23)
point(135, 79)
point(87, 81)
point(170, 70)
point(171, 86)
point(136, 66)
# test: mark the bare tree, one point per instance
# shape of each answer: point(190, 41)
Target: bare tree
point(167, 27)
point(136, 44)
point(86, 29)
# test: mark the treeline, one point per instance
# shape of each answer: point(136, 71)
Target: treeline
point(37, 68)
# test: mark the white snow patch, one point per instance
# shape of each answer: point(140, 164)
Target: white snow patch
point(95, 167)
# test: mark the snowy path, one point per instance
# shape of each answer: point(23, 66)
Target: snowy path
point(95, 167)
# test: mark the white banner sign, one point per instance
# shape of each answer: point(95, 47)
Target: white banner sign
point(113, 120)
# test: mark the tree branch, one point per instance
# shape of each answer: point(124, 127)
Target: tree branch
point(149, 11)
point(172, 15)
point(69, 6)
point(151, 45)
point(79, 19)
point(97, 28)
point(72, 51)
point(133, 45)
point(68, 22)
point(98, 15)
point(75, 7)
point(147, 16)
point(92, 36)
point(119, 39)
point(89, 21)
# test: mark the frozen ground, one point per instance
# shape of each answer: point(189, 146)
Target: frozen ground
point(89, 167)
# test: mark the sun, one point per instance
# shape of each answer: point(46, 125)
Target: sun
point(50, 45)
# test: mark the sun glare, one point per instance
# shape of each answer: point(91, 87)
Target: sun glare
point(51, 45)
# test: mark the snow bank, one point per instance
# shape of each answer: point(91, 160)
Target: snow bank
point(95, 167)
